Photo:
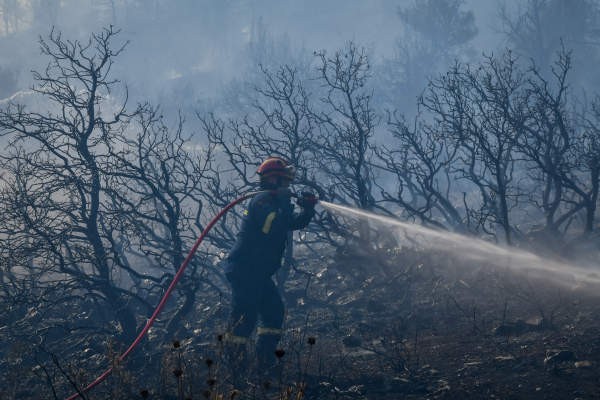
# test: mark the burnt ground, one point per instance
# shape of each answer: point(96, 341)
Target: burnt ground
point(402, 323)
point(469, 332)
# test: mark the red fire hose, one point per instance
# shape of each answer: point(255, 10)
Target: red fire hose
point(171, 288)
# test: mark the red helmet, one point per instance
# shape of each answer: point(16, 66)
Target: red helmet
point(276, 166)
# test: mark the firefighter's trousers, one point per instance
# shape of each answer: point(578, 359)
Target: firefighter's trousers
point(255, 297)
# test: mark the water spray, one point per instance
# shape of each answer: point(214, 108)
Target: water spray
point(476, 249)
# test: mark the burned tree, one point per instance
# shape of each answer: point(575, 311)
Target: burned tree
point(480, 109)
point(587, 145)
point(560, 149)
point(100, 206)
point(346, 127)
point(54, 184)
point(421, 160)
point(154, 206)
point(546, 142)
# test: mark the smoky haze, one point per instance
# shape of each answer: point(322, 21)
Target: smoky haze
point(195, 46)
point(470, 127)
point(181, 52)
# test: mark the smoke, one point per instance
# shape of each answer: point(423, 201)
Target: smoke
point(471, 249)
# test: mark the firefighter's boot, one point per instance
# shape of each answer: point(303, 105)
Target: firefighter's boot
point(268, 339)
point(236, 356)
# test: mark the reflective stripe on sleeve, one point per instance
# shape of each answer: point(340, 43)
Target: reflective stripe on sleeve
point(267, 226)
point(236, 339)
point(268, 331)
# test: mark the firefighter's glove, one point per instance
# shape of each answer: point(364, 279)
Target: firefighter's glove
point(307, 201)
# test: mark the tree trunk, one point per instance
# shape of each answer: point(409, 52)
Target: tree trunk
point(590, 210)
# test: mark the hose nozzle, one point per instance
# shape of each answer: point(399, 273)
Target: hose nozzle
point(308, 199)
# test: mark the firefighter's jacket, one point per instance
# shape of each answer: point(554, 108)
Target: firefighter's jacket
point(262, 237)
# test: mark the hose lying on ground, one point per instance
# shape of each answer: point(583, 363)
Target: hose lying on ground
point(170, 290)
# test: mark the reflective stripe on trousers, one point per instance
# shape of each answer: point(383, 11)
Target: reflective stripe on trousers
point(268, 331)
point(236, 339)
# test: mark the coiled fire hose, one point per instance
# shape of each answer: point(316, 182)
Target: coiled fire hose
point(174, 284)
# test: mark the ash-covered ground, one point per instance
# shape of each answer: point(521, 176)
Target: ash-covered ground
point(398, 323)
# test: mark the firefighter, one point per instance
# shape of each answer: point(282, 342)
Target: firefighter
point(256, 256)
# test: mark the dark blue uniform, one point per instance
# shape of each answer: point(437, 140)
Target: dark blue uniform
point(254, 258)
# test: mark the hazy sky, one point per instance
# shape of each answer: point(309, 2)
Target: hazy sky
point(205, 39)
